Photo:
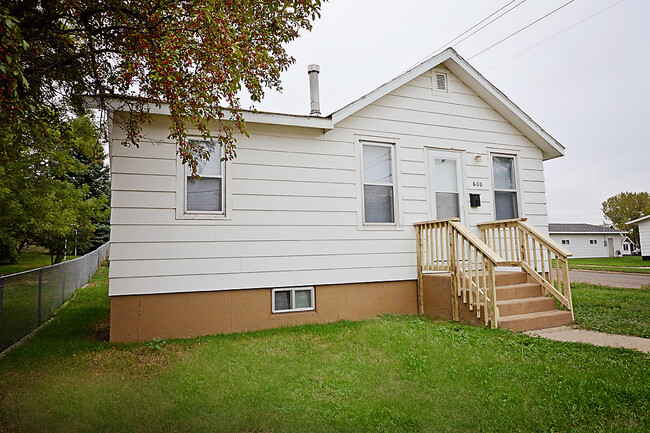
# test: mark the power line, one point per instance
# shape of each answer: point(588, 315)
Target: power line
point(472, 27)
point(522, 29)
point(481, 28)
point(447, 44)
point(556, 34)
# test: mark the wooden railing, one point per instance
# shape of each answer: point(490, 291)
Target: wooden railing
point(521, 244)
point(446, 245)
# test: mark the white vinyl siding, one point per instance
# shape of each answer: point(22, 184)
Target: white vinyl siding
point(294, 210)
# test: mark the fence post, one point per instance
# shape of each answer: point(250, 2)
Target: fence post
point(62, 283)
point(2, 289)
point(40, 285)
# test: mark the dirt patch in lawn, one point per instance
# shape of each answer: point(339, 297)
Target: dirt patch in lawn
point(102, 331)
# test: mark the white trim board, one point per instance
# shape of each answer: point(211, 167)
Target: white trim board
point(449, 58)
point(638, 220)
point(550, 147)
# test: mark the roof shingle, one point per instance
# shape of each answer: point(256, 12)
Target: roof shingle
point(581, 228)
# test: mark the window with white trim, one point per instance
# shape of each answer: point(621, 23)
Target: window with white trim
point(625, 247)
point(293, 299)
point(205, 194)
point(565, 242)
point(593, 241)
point(378, 182)
point(505, 187)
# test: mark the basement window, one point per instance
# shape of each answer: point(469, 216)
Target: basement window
point(294, 299)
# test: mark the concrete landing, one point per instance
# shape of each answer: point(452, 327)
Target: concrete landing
point(573, 335)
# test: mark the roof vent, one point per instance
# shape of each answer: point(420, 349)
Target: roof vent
point(441, 82)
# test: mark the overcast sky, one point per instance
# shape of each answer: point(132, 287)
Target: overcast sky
point(589, 87)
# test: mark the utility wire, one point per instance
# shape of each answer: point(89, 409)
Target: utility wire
point(447, 44)
point(521, 29)
point(472, 28)
point(556, 34)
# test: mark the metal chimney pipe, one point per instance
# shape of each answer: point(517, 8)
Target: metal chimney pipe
point(314, 95)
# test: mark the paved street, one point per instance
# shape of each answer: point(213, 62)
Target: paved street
point(612, 279)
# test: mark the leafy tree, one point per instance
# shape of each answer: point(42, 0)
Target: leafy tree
point(94, 180)
point(627, 206)
point(39, 205)
point(195, 55)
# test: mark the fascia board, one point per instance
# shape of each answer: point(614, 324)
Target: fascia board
point(388, 87)
point(550, 147)
point(324, 123)
point(638, 220)
point(587, 233)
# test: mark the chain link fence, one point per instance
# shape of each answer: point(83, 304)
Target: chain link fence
point(28, 299)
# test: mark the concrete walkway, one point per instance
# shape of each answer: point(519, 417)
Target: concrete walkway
point(573, 335)
point(612, 279)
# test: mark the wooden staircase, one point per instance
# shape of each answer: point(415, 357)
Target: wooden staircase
point(523, 306)
point(475, 291)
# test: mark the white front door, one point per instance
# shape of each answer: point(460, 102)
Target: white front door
point(446, 183)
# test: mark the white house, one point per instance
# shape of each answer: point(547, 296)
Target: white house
point(588, 240)
point(644, 235)
point(313, 221)
point(628, 246)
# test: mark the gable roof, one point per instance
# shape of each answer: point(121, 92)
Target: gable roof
point(581, 228)
point(549, 146)
point(638, 220)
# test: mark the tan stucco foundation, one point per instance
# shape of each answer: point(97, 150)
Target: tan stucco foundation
point(180, 315)
point(439, 300)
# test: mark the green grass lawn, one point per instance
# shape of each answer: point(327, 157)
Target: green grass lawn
point(612, 264)
point(31, 258)
point(612, 310)
point(389, 374)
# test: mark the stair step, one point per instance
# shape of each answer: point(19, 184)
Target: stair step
point(518, 291)
point(506, 278)
point(519, 306)
point(532, 321)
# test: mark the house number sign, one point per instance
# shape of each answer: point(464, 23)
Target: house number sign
point(477, 183)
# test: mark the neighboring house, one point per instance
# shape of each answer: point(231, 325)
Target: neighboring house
point(628, 245)
point(644, 235)
point(313, 221)
point(589, 240)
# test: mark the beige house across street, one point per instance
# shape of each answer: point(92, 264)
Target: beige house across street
point(411, 199)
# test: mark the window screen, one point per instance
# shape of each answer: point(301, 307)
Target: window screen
point(505, 189)
point(378, 187)
point(205, 194)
